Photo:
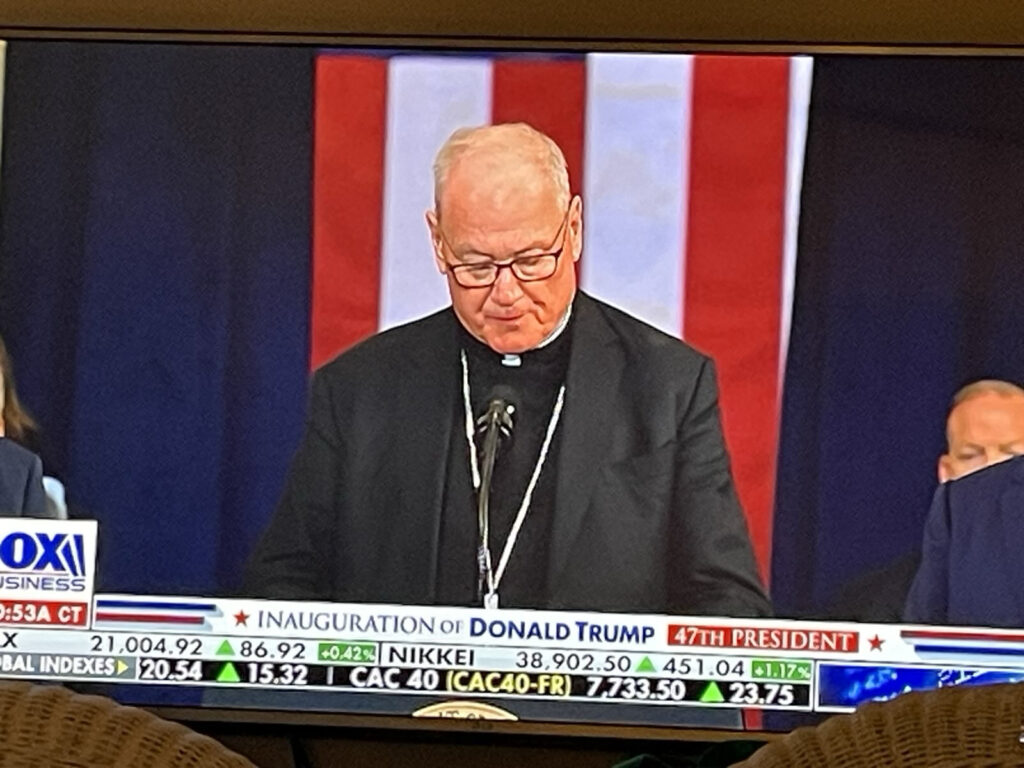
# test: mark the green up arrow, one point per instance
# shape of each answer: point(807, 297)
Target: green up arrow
point(712, 694)
point(228, 674)
point(646, 665)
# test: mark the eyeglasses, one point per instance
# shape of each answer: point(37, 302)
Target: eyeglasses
point(529, 269)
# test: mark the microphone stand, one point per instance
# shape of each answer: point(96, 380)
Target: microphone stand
point(496, 424)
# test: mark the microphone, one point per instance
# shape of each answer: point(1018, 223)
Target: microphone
point(495, 425)
point(500, 410)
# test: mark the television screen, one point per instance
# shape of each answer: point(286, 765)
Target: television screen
point(738, 388)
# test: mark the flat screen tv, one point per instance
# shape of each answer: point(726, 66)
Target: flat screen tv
point(731, 438)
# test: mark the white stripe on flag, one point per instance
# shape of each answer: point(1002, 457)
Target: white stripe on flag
point(636, 177)
point(428, 98)
point(801, 69)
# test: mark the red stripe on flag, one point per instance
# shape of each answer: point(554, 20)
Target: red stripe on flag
point(549, 94)
point(734, 255)
point(350, 110)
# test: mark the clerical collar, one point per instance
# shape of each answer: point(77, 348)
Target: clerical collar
point(545, 350)
point(557, 331)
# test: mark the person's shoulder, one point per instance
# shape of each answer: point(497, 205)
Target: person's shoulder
point(642, 341)
point(12, 452)
point(990, 481)
point(391, 349)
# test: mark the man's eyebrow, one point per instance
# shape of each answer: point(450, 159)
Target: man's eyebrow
point(543, 248)
point(473, 252)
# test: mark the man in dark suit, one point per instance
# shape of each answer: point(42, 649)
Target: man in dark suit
point(614, 491)
point(972, 571)
point(985, 425)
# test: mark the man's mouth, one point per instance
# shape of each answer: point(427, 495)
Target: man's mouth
point(505, 318)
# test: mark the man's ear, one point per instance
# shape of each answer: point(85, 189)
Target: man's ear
point(945, 468)
point(576, 222)
point(435, 241)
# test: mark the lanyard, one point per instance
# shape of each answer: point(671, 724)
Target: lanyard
point(490, 578)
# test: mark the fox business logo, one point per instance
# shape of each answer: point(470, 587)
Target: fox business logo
point(43, 561)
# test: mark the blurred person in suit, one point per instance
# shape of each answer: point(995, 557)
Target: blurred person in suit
point(985, 425)
point(21, 471)
point(971, 568)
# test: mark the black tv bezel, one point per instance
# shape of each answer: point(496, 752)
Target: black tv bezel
point(785, 26)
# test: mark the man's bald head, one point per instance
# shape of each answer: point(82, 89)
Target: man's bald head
point(985, 425)
point(513, 156)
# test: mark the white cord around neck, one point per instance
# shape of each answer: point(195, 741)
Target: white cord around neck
point(494, 577)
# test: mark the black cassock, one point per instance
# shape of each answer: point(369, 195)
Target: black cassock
point(533, 379)
point(638, 514)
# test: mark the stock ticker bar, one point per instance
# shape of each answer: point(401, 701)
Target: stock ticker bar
point(459, 653)
point(444, 653)
point(53, 627)
point(417, 669)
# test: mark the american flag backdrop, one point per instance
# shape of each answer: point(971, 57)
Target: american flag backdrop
point(689, 168)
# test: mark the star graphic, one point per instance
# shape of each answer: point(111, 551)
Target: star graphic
point(876, 643)
point(241, 618)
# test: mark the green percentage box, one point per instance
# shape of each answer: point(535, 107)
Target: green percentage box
point(347, 653)
point(796, 670)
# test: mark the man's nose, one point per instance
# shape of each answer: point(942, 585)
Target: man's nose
point(506, 288)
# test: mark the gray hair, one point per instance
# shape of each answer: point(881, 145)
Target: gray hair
point(504, 136)
point(986, 387)
point(978, 388)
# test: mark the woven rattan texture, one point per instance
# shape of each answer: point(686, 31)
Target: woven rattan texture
point(46, 726)
point(970, 726)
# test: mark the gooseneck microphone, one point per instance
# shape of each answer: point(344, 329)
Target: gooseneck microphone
point(496, 426)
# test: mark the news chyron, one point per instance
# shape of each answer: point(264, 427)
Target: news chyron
point(47, 571)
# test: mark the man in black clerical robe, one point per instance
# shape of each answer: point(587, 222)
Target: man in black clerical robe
point(614, 492)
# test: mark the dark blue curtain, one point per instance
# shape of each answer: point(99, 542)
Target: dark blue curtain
point(910, 283)
point(154, 290)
